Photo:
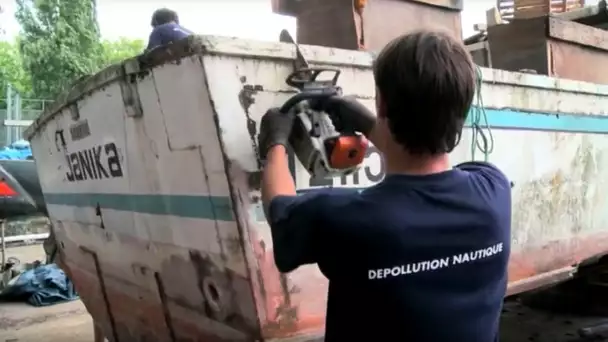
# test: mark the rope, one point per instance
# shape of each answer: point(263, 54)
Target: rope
point(482, 138)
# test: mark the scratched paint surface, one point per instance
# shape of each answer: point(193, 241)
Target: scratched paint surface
point(174, 246)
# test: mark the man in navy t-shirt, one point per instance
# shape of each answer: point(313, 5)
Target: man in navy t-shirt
point(165, 29)
point(422, 256)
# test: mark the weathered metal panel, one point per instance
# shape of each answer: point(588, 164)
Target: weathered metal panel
point(328, 23)
point(551, 46)
point(577, 51)
point(519, 45)
point(294, 7)
point(349, 24)
point(577, 62)
point(388, 19)
point(284, 7)
point(181, 240)
point(481, 53)
point(576, 33)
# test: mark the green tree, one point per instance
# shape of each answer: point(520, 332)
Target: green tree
point(12, 72)
point(59, 42)
point(115, 51)
point(1, 28)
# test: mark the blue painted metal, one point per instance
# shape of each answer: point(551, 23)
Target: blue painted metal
point(538, 121)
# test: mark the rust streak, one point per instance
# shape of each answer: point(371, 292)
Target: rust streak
point(163, 300)
point(104, 293)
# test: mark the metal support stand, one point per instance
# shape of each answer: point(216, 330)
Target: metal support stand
point(5, 276)
point(2, 230)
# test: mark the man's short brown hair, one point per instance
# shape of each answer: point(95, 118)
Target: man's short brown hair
point(426, 80)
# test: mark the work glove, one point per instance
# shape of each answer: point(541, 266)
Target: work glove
point(349, 113)
point(275, 129)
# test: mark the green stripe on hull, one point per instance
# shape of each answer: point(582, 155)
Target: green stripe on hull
point(204, 207)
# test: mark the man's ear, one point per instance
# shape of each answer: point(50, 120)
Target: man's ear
point(380, 105)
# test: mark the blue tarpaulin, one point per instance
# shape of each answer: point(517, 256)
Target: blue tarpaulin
point(41, 286)
point(19, 150)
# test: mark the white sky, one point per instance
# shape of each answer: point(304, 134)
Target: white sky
point(240, 18)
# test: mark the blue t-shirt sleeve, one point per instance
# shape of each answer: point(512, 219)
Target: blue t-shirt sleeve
point(301, 229)
point(179, 32)
point(487, 171)
point(165, 34)
point(155, 39)
point(295, 225)
point(491, 183)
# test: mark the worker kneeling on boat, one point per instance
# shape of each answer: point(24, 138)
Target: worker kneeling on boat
point(422, 256)
point(165, 29)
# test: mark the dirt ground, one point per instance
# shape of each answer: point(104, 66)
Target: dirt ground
point(71, 322)
point(27, 253)
point(21, 322)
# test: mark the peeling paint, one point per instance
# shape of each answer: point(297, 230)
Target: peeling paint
point(247, 99)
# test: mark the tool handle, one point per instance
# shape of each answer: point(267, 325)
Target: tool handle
point(317, 94)
point(304, 77)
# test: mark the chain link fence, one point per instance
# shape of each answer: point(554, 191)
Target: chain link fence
point(15, 112)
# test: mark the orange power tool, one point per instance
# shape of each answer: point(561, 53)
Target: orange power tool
point(325, 146)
